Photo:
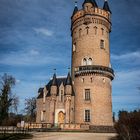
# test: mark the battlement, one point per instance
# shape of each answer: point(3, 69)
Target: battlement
point(93, 11)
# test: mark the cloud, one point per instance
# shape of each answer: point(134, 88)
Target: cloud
point(18, 81)
point(126, 56)
point(34, 52)
point(31, 58)
point(43, 31)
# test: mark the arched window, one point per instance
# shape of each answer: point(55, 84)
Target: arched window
point(89, 61)
point(84, 61)
point(87, 29)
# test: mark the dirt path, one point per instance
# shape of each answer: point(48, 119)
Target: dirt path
point(72, 136)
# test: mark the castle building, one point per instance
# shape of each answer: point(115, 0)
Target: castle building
point(84, 96)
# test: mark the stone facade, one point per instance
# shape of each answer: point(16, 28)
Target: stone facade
point(87, 92)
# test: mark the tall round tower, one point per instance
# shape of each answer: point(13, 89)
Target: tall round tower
point(91, 69)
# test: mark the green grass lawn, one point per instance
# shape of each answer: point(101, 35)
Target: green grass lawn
point(15, 136)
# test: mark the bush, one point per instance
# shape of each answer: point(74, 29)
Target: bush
point(128, 125)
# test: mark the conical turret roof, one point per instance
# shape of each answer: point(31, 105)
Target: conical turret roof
point(54, 80)
point(106, 6)
point(68, 80)
point(75, 9)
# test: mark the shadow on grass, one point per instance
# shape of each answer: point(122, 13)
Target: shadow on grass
point(15, 136)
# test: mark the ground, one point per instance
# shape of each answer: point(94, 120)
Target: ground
point(72, 136)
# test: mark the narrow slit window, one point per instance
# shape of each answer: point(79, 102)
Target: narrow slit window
point(87, 30)
point(102, 44)
point(87, 115)
point(95, 30)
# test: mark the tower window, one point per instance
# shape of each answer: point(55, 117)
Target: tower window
point(95, 30)
point(102, 44)
point(87, 115)
point(87, 94)
point(87, 30)
point(74, 47)
point(89, 61)
point(84, 61)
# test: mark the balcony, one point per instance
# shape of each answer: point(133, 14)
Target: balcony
point(94, 69)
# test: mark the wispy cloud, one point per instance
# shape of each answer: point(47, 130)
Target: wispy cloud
point(43, 31)
point(126, 56)
point(31, 58)
point(34, 52)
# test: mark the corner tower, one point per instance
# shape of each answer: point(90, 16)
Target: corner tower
point(91, 69)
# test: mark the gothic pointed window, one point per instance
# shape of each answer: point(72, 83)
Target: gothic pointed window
point(84, 62)
point(89, 61)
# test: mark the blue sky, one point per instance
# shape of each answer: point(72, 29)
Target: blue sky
point(35, 38)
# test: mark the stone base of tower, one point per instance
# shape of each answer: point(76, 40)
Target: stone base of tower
point(102, 129)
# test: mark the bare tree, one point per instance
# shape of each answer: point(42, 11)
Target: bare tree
point(30, 108)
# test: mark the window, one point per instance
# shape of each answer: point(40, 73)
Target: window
point(87, 115)
point(44, 97)
point(87, 29)
point(42, 116)
point(95, 30)
point(74, 47)
point(62, 96)
point(87, 94)
point(84, 61)
point(102, 44)
point(90, 61)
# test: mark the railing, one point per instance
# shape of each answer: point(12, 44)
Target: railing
point(82, 70)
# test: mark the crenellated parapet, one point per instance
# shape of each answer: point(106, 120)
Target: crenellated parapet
point(91, 14)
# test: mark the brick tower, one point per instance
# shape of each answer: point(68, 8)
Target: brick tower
point(91, 69)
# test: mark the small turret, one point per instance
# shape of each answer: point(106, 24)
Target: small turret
point(68, 85)
point(75, 9)
point(54, 80)
point(93, 2)
point(106, 6)
point(54, 85)
point(68, 80)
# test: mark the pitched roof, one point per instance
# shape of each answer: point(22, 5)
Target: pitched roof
point(40, 91)
point(106, 6)
point(64, 80)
